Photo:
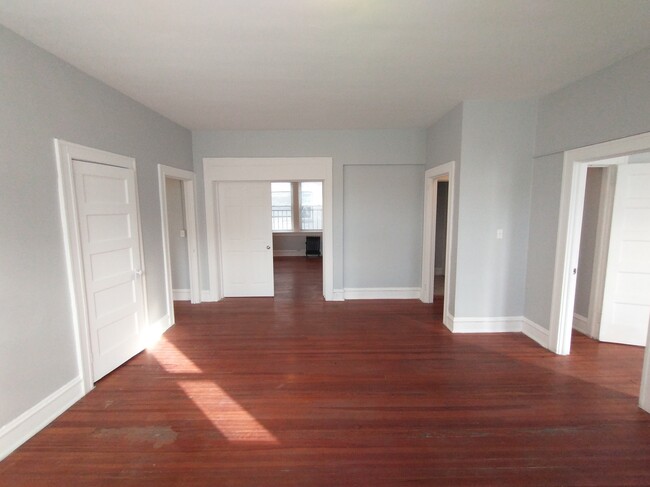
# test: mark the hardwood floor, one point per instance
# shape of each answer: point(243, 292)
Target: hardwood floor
point(296, 391)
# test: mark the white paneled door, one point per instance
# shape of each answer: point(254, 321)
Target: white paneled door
point(246, 238)
point(626, 302)
point(112, 262)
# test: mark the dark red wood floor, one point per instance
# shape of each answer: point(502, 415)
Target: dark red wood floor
point(296, 391)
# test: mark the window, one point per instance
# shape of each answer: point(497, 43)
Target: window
point(297, 206)
point(311, 206)
point(281, 207)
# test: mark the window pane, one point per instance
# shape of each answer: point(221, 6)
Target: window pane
point(281, 206)
point(311, 206)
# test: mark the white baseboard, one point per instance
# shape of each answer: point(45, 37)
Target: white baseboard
point(581, 324)
point(289, 253)
point(205, 295)
point(449, 322)
point(21, 429)
point(338, 295)
point(536, 332)
point(181, 294)
point(499, 324)
point(382, 293)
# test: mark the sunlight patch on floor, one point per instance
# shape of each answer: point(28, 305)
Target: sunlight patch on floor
point(233, 421)
point(172, 359)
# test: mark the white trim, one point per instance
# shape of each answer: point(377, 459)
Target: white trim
point(189, 201)
point(535, 332)
point(382, 293)
point(65, 153)
point(338, 295)
point(216, 170)
point(581, 324)
point(22, 428)
point(289, 253)
point(574, 177)
point(502, 324)
point(205, 295)
point(181, 294)
point(431, 177)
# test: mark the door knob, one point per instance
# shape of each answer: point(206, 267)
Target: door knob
point(268, 247)
point(138, 272)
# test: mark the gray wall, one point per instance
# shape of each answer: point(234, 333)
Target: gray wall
point(588, 240)
point(43, 98)
point(382, 236)
point(542, 237)
point(495, 181)
point(609, 104)
point(346, 147)
point(292, 242)
point(177, 244)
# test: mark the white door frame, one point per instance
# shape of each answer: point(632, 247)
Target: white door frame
point(220, 169)
point(65, 153)
point(431, 178)
point(187, 179)
point(574, 177)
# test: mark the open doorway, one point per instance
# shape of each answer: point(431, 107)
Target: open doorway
point(612, 300)
point(297, 225)
point(437, 273)
point(626, 289)
point(594, 243)
point(440, 244)
point(180, 247)
point(220, 171)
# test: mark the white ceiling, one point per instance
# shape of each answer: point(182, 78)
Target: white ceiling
point(329, 64)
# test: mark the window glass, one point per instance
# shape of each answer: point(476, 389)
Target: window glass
point(311, 205)
point(281, 214)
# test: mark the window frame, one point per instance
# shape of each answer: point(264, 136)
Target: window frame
point(295, 210)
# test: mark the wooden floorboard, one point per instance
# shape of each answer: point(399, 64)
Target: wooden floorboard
point(294, 391)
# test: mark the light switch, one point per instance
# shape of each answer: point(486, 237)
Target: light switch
point(500, 233)
point(183, 233)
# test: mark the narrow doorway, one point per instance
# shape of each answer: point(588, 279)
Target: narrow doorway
point(587, 261)
point(440, 249)
point(179, 239)
point(178, 246)
point(438, 245)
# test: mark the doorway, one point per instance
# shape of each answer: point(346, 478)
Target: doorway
point(576, 164)
point(297, 225)
point(438, 276)
point(102, 234)
point(223, 170)
point(594, 243)
point(179, 236)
